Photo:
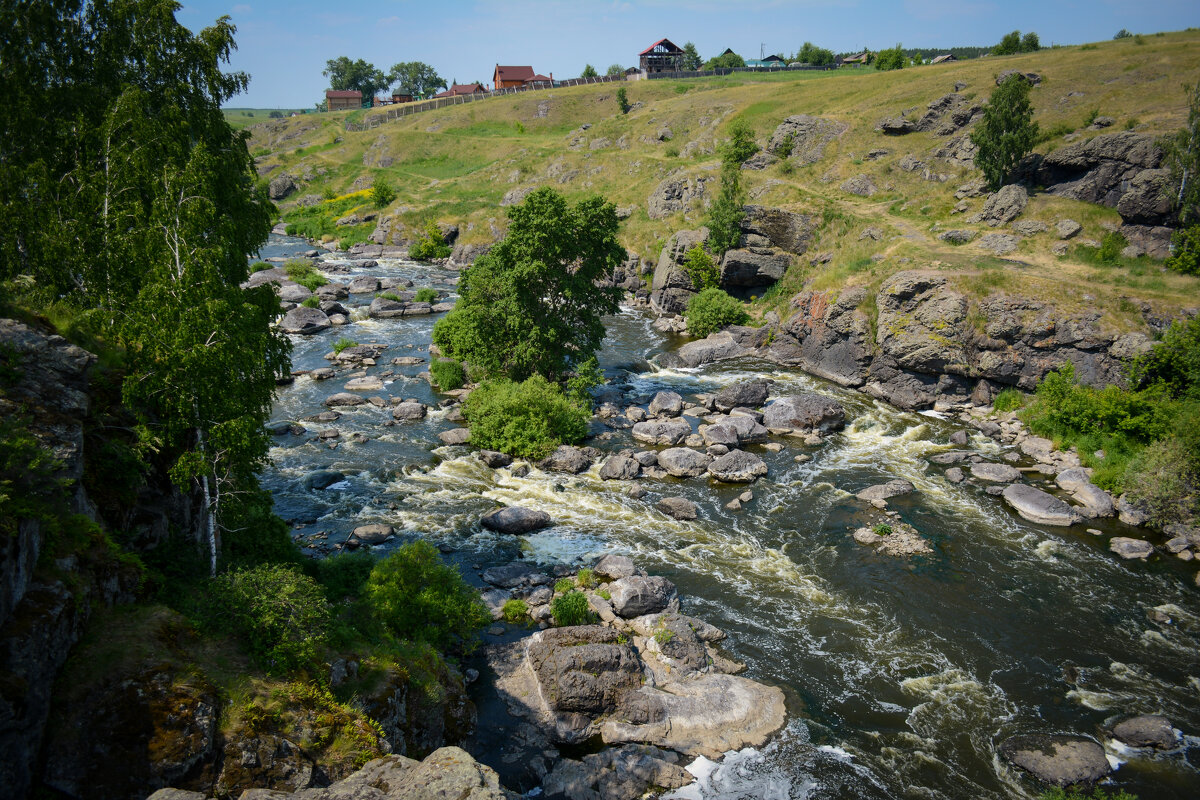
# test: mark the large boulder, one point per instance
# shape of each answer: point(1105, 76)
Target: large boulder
point(715, 347)
point(745, 394)
point(1147, 730)
point(386, 308)
point(662, 431)
point(861, 185)
point(805, 411)
point(515, 520)
point(583, 669)
point(749, 429)
point(741, 268)
point(828, 336)
point(683, 462)
point(807, 136)
point(1057, 760)
point(724, 435)
point(675, 194)
point(566, 458)
point(1038, 506)
point(1003, 206)
point(281, 186)
point(737, 466)
point(636, 595)
point(614, 567)
point(666, 404)
point(995, 473)
point(620, 468)
point(304, 321)
point(672, 287)
point(678, 508)
point(789, 231)
point(921, 322)
point(886, 491)
point(1129, 548)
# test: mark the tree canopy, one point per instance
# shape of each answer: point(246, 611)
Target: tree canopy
point(725, 61)
point(1014, 43)
point(890, 59)
point(415, 78)
point(1007, 131)
point(589, 72)
point(817, 56)
point(532, 304)
point(691, 57)
point(345, 74)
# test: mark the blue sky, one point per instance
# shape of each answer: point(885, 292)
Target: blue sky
point(284, 45)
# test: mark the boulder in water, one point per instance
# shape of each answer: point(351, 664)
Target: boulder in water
point(1038, 506)
point(620, 468)
point(1147, 730)
point(806, 411)
point(637, 595)
point(738, 466)
point(515, 520)
point(682, 462)
point(1129, 548)
point(678, 507)
point(667, 432)
point(749, 394)
point(666, 404)
point(1057, 760)
point(884, 491)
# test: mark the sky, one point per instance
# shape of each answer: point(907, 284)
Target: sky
point(284, 45)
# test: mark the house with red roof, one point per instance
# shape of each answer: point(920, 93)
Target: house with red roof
point(342, 99)
point(463, 88)
point(512, 77)
point(662, 56)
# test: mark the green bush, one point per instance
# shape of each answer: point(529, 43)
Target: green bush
point(890, 59)
point(740, 145)
point(447, 373)
point(571, 609)
point(311, 302)
point(1111, 246)
point(1009, 399)
point(586, 578)
point(1174, 362)
point(305, 274)
point(1163, 478)
point(1067, 410)
point(430, 245)
point(712, 310)
point(425, 295)
point(564, 585)
point(1185, 251)
point(882, 529)
point(786, 147)
point(277, 611)
point(528, 419)
point(345, 574)
point(343, 343)
point(701, 268)
point(623, 100)
point(515, 610)
point(419, 598)
point(382, 192)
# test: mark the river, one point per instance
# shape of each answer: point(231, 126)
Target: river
point(902, 676)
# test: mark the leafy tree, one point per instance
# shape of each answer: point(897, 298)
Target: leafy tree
point(419, 598)
point(727, 210)
point(725, 61)
point(348, 75)
point(1185, 251)
point(588, 72)
point(382, 192)
point(279, 612)
point(701, 268)
point(1123, 34)
point(623, 100)
point(1030, 43)
point(1007, 131)
point(691, 57)
point(1183, 158)
point(416, 78)
point(740, 145)
point(615, 71)
point(817, 56)
point(1009, 45)
point(890, 59)
point(527, 419)
point(532, 304)
point(712, 310)
point(115, 131)
point(1174, 362)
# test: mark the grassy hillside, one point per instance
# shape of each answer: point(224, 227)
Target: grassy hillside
point(456, 164)
point(239, 118)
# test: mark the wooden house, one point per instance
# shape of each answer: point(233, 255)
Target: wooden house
point(857, 60)
point(511, 77)
point(463, 88)
point(662, 56)
point(398, 97)
point(944, 59)
point(343, 99)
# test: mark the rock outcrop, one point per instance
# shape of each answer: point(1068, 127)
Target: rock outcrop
point(807, 137)
point(672, 287)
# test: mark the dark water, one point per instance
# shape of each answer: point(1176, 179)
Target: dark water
point(902, 676)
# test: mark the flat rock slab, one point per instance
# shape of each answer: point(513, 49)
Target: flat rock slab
point(344, 399)
point(737, 466)
point(515, 520)
point(704, 715)
point(1038, 506)
point(884, 491)
point(663, 432)
point(367, 384)
point(455, 436)
point(682, 462)
point(1147, 730)
point(806, 411)
point(514, 574)
point(995, 473)
point(1128, 548)
point(1058, 760)
point(372, 534)
point(678, 507)
point(902, 542)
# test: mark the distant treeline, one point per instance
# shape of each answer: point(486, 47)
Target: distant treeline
point(929, 53)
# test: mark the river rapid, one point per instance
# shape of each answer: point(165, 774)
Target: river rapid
point(902, 676)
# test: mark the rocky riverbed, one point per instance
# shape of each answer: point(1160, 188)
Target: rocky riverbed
point(1003, 608)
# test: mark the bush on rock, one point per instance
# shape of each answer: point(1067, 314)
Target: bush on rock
point(527, 419)
point(711, 310)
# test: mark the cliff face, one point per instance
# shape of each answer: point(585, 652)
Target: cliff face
point(41, 616)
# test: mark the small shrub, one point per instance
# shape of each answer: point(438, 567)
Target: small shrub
point(311, 301)
point(447, 373)
point(571, 609)
point(343, 343)
point(382, 192)
point(305, 274)
point(1124, 33)
point(528, 419)
point(882, 529)
point(519, 127)
point(1056, 132)
point(1185, 251)
point(277, 611)
point(712, 310)
point(419, 598)
point(1009, 400)
point(663, 635)
point(890, 59)
point(623, 100)
point(563, 585)
point(1163, 478)
point(605, 593)
point(1174, 362)
point(785, 148)
point(671, 151)
point(586, 578)
point(345, 574)
point(740, 145)
point(430, 245)
point(1132, 123)
point(515, 610)
point(1111, 246)
point(701, 268)
point(786, 168)
point(426, 295)
point(1091, 117)
point(390, 295)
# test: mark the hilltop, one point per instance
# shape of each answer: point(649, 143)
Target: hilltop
point(460, 165)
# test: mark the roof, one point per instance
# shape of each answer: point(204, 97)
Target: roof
point(773, 58)
point(538, 79)
point(729, 52)
point(513, 73)
point(343, 93)
point(859, 57)
point(944, 58)
point(674, 48)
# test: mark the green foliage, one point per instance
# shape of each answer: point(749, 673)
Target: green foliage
point(382, 192)
point(277, 611)
point(447, 373)
point(890, 59)
point(1007, 131)
point(701, 268)
point(305, 274)
point(786, 146)
point(623, 100)
point(1009, 399)
point(1009, 45)
point(614, 71)
point(1183, 159)
point(534, 303)
point(345, 74)
point(740, 145)
point(586, 578)
point(417, 597)
point(817, 56)
point(712, 310)
point(430, 245)
point(1123, 34)
point(1111, 246)
point(1078, 793)
point(882, 529)
point(1091, 117)
point(563, 585)
point(1163, 477)
point(344, 576)
point(571, 609)
point(727, 211)
point(343, 343)
point(1030, 43)
point(28, 487)
point(1185, 251)
point(1174, 362)
point(1065, 409)
point(663, 636)
point(312, 301)
point(528, 419)
point(691, 58)
point(589, 72)
point(515, 610)
point(416, 78)
point(425, 295)
point(725, 61)
point(579, 386)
